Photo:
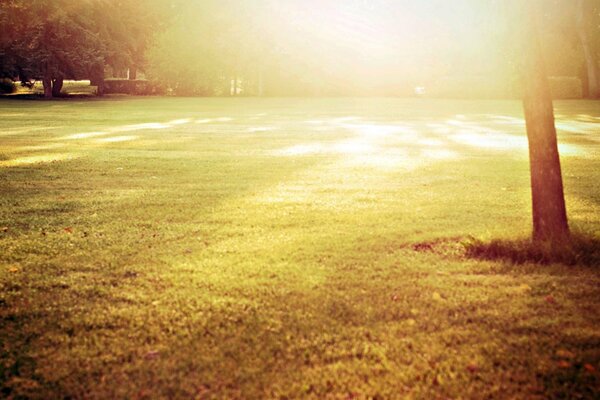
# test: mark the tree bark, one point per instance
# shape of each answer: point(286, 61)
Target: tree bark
point(57, 85)
point(99, 86)
point(47, 82)
point(549, 210)
point(593, 78)
point(234, 86)
point(132, 73)
point(261, 82)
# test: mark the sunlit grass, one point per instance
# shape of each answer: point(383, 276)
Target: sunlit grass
point(293, 248)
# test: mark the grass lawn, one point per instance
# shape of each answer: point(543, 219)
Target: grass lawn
point(287, 248)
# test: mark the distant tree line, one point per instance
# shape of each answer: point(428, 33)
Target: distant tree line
point(55, 40)
point(285, 47)
point(282, 47)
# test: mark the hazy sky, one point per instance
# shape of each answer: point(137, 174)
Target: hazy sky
point(386, 37)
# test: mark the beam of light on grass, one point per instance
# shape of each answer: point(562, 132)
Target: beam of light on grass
point(505, 120)
point(502, 142)
point(40, 159)
point(261, 129)
point(430, 142)
point(579, 127)
point(86, 135)
point(18, 131)
point(378, 131)
point(489, 140)
point(588, 118)
point(128, 128)
point(384, 147)
point(47, 147)
point(118, 139)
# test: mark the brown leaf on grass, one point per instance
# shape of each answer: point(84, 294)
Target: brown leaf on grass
point(4, 229)
point(436, 296)
point(589, 368)
point(151, 355)
point(473, 368)
point(562, 353)
point(14, 270)
point(68, 230)
point(564, 364)
point(550, 299)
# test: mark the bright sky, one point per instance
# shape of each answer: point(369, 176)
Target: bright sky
point(387, 37)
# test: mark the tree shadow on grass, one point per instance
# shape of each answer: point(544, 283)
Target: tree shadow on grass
point(581, 249)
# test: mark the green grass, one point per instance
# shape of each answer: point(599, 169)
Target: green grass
point(287, 248)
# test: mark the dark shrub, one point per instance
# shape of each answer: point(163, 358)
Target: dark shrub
point(132, 87)
point(7, 86)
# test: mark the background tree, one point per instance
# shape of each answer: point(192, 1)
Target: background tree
point(58, 46)
point(54, 40)
point(588, 30)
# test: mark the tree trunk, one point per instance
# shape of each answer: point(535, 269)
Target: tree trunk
point(234, 86)
point(593, 78)
point(100, 87)
point(549, 211)
point(132, 73)
point(57, 85)
point(261, 83)
point(47, 81)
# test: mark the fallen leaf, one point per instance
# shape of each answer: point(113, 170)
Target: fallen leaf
point(564, 364)
point(151, 355)
point(589, 367)
point(68, 230)
point(411, 322)
point(414, 311)
point(472, 368)
point(550, 299)
point(4, 229)
point(395, 297)
point(562, 353)
point(436, 296)
point(14, 269)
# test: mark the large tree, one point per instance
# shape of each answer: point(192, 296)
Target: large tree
point(53, 40)
point(549, 210)
point(59, 45)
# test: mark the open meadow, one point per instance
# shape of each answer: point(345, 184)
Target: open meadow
point(288, 248)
